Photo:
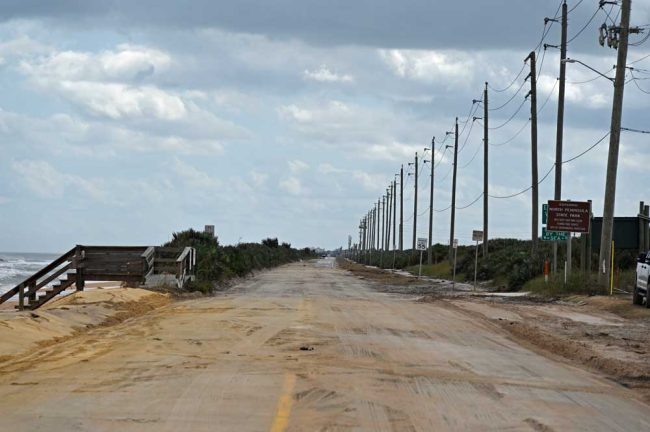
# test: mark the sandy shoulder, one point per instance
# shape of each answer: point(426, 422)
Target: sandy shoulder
point(69, 315)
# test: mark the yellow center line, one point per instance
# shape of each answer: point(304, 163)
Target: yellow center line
point(281, 419)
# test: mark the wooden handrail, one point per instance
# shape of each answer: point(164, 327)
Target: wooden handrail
point(33, 279)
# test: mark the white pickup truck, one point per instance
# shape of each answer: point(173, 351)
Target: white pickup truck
point(642, 284)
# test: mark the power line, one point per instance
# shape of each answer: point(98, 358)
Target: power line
point(511, 98)
point(586, 151)
point(478, 147)
point(545, 31)
point(550, 170)
point(513, 137)
point(511, 117)
point(592, 79)
point(470, 204)
point(640, 59)
point(511, 84)
point(585, 26)
point(635, 130)
point(469, 134)
point(575, 6)
point(548, 97)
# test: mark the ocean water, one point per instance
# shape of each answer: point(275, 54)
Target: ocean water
point(16, 267)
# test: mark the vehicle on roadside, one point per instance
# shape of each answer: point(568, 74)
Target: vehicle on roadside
point(642, 281)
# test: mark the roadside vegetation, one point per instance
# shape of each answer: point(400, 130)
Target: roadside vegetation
point(510, 267)
point(216, 263)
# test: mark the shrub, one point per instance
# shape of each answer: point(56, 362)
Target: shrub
point(216, 263)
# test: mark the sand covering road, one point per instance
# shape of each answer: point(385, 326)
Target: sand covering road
point(69, 315)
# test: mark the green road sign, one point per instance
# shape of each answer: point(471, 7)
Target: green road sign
point(554, 235)
point(544, 213)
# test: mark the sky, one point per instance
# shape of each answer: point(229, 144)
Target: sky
point(122, 122)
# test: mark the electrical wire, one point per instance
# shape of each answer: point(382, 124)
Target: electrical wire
point(511, 117)
point(548, 97)
point(525, 190)
point(470, 204)
point(478, 147)
point(513, 137)
point(575, 6)
point(551, 169)
point(585, 26)
point(593, 79)
point(636, 83)
point(635, 130)
point(469, 134)
point(511, 98)
point(511, 84)
point(586, 151)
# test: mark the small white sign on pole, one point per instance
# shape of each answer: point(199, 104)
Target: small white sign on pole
point(421, 245)
point(455, 244)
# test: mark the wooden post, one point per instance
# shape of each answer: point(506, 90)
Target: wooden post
point(583, 252)
point(78, 265)
point(646, 229)
point(31, 296)
point(642, 224)
point(21, 297)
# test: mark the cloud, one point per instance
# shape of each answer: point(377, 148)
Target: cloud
point(429, 66)
point(323, 74)
point(125, 63)
point(297, 166)
point(47, 182)
point(259, 178)
point(291, 185)
point(195, 178)
point(118, 101)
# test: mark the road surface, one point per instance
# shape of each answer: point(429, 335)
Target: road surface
point(306, 347)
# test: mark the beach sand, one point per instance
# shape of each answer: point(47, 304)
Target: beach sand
point(23, 331)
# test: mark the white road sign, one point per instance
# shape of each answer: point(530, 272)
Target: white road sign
point(455, 243)
point(421, 244)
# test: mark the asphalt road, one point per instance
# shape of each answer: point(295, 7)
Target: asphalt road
point(306, 347)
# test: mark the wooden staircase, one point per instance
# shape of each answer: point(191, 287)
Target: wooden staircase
point(130, 264)
point(53, 291)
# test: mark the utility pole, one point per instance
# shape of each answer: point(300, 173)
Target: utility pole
point(433, 162)
point(605, 257)
point(372, 229)
point(533, 147)
point(394, 211)
point(415, 203)
point(560, 130)
point(485, 171)
point(383, 221)
point(401, 208)
point(389, 211)
point(378, 222)
point(453, 195)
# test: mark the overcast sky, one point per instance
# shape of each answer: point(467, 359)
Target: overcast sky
point(123, 121)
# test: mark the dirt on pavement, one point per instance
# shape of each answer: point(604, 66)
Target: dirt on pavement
point(603, 333)
point(311, 347)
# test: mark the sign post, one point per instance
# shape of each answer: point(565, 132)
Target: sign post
point(453, 280)
point(568, 217)
point(421, 245)
point(477, 236)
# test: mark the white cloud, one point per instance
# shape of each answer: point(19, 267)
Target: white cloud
point(292, 185)
point(119, 101)
point(259, 178)
point(323, 74)
point(429, 66)
point(47, 182)
point(195, 178)
point(297, 166)
point(126, 63)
